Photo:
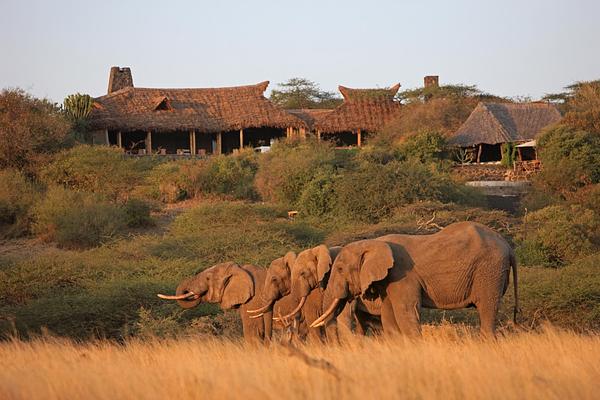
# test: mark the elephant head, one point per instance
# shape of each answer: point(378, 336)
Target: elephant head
point(225, 283)
point(310, 270)
point(356, 268)
point(277, 282)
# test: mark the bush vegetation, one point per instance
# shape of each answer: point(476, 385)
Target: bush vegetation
point(30, 130)
point(289, 167)
point(17, 196)
point(77, 219)
point(558, 234)
point(98, 169)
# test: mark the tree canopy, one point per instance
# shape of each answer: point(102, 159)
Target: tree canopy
point(303, 93)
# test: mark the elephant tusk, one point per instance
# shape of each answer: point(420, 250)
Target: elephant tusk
point(257, 315)
point(294, 312)
point(185, 296)
point(260, 310)
point(321, 320)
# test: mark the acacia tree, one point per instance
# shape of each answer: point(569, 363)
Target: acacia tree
point(303, 93)
point(29, 129)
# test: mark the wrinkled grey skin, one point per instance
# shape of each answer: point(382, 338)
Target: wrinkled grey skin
point(466, 264)
point(231, 286)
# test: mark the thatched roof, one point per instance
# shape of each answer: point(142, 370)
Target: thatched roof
point(493, 123)
point(205, 110)
point(310, 115)
point(364, 109)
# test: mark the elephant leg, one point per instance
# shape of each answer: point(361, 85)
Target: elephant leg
point(388, 320)
point(405, 299)
point(488, 310)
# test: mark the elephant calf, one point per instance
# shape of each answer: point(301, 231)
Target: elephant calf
point(466, 264)
point(232, 286)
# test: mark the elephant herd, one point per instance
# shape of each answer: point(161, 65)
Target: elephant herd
point(376, 285)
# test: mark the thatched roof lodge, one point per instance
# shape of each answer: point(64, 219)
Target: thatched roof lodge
point(492, 124)
point(182, 121)
point(363, 111)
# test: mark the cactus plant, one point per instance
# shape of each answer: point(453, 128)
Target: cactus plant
point(78, 106)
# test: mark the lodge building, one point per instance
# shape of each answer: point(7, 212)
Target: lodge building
point(222, 120)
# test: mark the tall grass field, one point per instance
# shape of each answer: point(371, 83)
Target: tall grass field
point(447, 363)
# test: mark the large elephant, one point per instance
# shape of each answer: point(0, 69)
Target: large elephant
point(466, 264)
point(232, 286)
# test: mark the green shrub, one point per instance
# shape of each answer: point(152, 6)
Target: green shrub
point(509, 154)
point(77, 219)
point(373, 191)
point(318, 196)
point(231, 176)
point(137, 213)
point(557, 235)
point(424, 146)
point(98, 169)
point(570, 159)
point(289, 167)
point(17, 195)
point(567, 297)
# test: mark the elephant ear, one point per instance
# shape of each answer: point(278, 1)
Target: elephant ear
point(289, 259)
point(323, 261)
point(239, 287)
point(376, 259)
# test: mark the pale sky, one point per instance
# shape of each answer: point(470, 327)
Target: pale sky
point(509, 47)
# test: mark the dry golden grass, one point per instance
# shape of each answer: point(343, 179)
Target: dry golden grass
point(448, 363)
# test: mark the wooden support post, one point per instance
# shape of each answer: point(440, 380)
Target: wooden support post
point(119, 140)
point(219, 149)
point(318, 135)
point(479, 153)
point(358, 138)
point(149, 142)
point(192, 142)
point(107, 141)
point(288, 133)
point(303, 133)
point(241, 139)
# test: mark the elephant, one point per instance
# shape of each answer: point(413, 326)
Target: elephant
point(298, 278)
point(232, 286)
point(466, 264)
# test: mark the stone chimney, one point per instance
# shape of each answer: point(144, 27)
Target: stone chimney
point(431, 81)
point(119, 78)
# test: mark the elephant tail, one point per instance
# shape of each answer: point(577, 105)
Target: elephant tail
point(513, 264)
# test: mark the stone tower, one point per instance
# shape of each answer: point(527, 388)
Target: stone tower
point(431, 81)
point(119, 78)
